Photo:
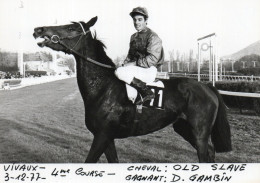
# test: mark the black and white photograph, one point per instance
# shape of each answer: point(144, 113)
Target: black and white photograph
point(129, 81)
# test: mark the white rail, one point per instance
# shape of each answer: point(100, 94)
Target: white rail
point(224, 77)
point(34, 81)
point(163, 75)
point(240, 94)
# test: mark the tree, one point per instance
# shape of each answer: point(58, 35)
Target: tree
point(191, 55)
point(171, 61)
point(8, 61)
point(190, 60)
point(252, 57)
point(177, 55)
point(45, 56)
point(171, 53)
point(70, 62)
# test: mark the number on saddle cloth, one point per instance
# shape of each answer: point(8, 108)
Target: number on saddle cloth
point(156, 87)
point(158, 101)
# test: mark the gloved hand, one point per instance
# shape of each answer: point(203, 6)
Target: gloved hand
point(126, 64)
point(130, 64)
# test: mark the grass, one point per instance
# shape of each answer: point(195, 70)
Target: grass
point(45, 124)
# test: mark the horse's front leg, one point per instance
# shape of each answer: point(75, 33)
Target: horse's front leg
point(99, 145)
point(111, 153)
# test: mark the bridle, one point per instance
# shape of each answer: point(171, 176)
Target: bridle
point(58, 40)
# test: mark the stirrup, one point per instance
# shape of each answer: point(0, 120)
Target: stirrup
point(139, 108)
point(142, 100)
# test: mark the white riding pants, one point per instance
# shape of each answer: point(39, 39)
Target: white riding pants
point(127, 73)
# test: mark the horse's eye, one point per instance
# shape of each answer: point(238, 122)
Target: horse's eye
point(70, 29)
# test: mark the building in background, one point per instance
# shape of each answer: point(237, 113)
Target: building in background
point(42, 61)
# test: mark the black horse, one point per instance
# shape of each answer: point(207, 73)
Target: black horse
point(110, 115)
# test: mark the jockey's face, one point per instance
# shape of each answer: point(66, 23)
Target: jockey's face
point(139, 22)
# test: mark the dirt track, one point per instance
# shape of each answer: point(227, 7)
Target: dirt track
point(45, 124)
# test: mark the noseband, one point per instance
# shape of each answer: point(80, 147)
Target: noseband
point(58, 40)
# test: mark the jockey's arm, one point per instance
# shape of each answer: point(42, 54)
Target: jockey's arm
point(130, 58)
point(154, 53)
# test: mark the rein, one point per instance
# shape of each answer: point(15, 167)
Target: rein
point(57, 40)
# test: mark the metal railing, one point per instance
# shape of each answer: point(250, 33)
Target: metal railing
point(205, 77)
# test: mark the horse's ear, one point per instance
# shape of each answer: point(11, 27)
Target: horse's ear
point(91, 22)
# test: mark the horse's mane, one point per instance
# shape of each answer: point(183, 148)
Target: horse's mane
point(100, 49)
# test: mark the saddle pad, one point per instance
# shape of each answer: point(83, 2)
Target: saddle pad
point(132, 92)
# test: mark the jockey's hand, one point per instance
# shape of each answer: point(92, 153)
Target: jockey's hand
point(119, 65)
point(130, 64)
point(125, 64)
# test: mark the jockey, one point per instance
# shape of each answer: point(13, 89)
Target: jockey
point(144, 57)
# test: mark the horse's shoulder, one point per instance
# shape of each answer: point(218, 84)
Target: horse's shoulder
point(116, 87)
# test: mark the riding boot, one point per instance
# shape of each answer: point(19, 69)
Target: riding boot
point(146, 93)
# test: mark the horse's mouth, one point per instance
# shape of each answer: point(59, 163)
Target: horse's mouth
point(43, 40)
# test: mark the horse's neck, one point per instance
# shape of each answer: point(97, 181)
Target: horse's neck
point(92, 79)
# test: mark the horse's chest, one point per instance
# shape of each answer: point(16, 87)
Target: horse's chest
point(91, 124)
point(95, 119)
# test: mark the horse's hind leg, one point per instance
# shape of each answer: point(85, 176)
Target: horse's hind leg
point(183, 128)
point(202, 147)
point(202, 124)
point(111, 153)
point(211, 153)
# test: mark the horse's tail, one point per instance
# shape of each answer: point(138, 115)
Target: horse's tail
point(221, 136)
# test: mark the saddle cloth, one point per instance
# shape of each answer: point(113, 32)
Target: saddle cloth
point(132, 92)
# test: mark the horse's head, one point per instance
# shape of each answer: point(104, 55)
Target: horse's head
point(66, 34)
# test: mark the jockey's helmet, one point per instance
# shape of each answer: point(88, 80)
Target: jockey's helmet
point(139, 10)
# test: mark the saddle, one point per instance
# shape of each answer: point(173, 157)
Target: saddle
point(157, 87)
